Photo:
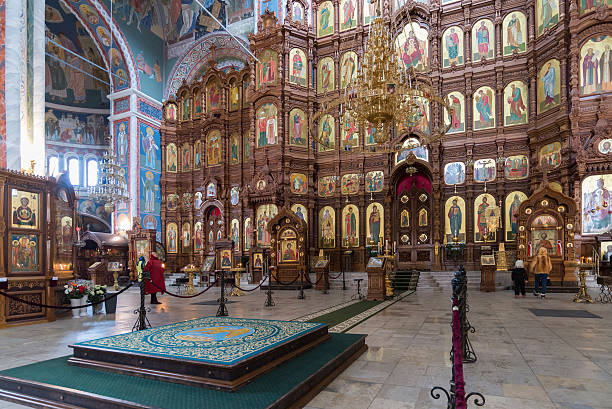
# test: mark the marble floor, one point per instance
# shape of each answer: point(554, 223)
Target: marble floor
point(524, 361)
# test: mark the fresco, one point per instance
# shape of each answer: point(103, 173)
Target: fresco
point(298, 183)
point(412, 45)
point(248, 234)
point(350, 226)
point(454, 173)
point(213, 95)
point(514, 33)
point(481, 204)
point(516, 167)
point(456, 120)
point(483, 40)
point(235, 234)
point(265, 213)
point(327, 186)
point(375, 223)
point(596, 65)
point(267, 69)
point(327, 133)
point(325, 19)
point(239, 10)
point(484, 108)
point(150, 198)
point(349, 132)
point(266, 125)
point(551, 153)
point(78, 128)
point(452, 47)
point(513, 201)
point(369, 11)
point(515, 103)
point(326, 79)
point(590, 5)
point(605, 146)
point(171, 237)
point(547, 14)
point(484, 170)
point(96, 209)
point(298, 67)
point(549, 86)
point(349, 184)
point(300, 211)
point(171, 158)
point(454, 225)
point(348, 68)
point(327, 227)
point(596, 199)
point(150, 141)
point(374, 181)
point(298, 128)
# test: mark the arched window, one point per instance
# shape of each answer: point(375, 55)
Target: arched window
point(73, 171)
point(53, 166)
point(92, 172)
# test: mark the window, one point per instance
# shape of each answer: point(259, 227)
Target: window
point(53, 166)
point(73, 171)
point(92, 172)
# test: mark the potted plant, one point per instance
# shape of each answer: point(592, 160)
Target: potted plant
point(96, 295)
point(75, 291)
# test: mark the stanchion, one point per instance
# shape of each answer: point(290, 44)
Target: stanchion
point(301, 295)
point(459, 284)
point(269, 302)
point(326, 282)
point(222, 311)
point(142, 322)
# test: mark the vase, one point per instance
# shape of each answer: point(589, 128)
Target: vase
point(97, 308)
point(83, 309)
point(75, 302)
point(110, 302)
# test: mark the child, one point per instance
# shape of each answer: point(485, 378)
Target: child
point(519, 276)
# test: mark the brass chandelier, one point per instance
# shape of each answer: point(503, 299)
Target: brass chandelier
point(386, 95)
point(111, 188)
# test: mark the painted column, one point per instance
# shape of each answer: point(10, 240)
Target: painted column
point(2, 87)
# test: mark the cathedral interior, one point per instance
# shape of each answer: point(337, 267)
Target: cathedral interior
point(373, 157)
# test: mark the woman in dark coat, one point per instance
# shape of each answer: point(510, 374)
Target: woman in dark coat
point(157, 282)
point(519, 276)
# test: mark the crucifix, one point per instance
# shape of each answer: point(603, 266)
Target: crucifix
point(266, 2)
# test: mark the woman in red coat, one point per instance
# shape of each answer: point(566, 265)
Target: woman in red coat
point(154, 266)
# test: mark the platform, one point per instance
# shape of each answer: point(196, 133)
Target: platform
point(218, 352)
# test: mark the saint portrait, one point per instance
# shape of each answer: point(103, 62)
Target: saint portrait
point(298, 128)
point(349, 132)
point(454, 224)
point(327, 133)
point(596, 65)
point(171, 158)
point(483, 40)
point(350, 226)
point(171, 237)
point(326, 74)
point(605, 146)
point(482, 232)
point(266, 125)
point(515, 103)
point(514, 33)
point(197, 104)
point(513, 202)
point(452, 47)
point(121, 138)
point(288, 251)
point(235, 234)
point(371, 10)
point(248, 234)
point(375, 223)
point(171, 112)
point(25, 253)
point(405, 218)
point(149, 186)
point(412, 46)
point(325, 19)
point(213, 95)
point(596, 199)
point(300, 211)
point(298, 67)
point(547, 15)
point(24, 209)
point(298, 12)
point(348, 14)
point(264, 214)
point(586, 6)
point(455, 118)
point(186, 108)
point(186, 157)
point(172, 202)
point(549, 86)
point(484, 108)
point(234, 95)
point(235, 149)
point(198, 236)
point(267, 68)
point(234, 195)
point(327, 227)
point(348, 68)
point(454, 173)
point(150, 140)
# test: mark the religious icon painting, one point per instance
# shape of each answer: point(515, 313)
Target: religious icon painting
point(234, 149)
point(327, 226)
point(375, 223)
point(298, 67)
point(483, 40)
point(258, 260)
point(412, 46)
point(171, 112)
point(456, 117)
point(266, 125)
point(186, 200)
point(348, 68)
point(25, 255)
point(325, 19)
point(246, 152)
point(484, 170)
point(150, 140)
point(186, 157)
point(226, 259)
point(350, 226)
point(349, 132)
point(186, 238)
point(267, 68)
point(515, 103)
point(171, 237)
point(549, 86)
point(326, 80)
point(327, 133)
point(586, 6)
point(370, 134)
point(484, 108)
point(122, 139)
point(172, 202)
point(327, 186)
point(514, 33)
point(605, 146)
point(596, 65)
point(374, 181)
point(264, 214)
point(261, 184)
point(349, 184)
point(197, 155)
point(547, 15)
point(452, 47)
point(197, 104)
point(348, 14)
point(25, 209)
point(197, 200)
point(234, 196)
point(516, 167)
point(142, 249)
point(454, 173)
point(481, 229)
point(299, 183)
point(186, 108)
point(65, 233)
point(246, 82)
point(213, 95)
point(297, 13)
point(551, 154)
point(234, 95)
point(211, 190)
point(513, 202)
point(288, 252)
point(198, 236)
point(454, 226)
point(171, 158)
point(423, 219)
point(370, 11)
point(596, 198)
point(412, 146)
point(248, 234)
point(405, 218)
point(235, 234)
point(213, 148)
point(300, 211)
point(297, 128)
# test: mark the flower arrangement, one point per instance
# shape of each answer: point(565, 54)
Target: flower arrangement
point(96, 293)
point(77, 289)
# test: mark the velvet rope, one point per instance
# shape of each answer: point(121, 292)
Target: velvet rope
point(460, 401)
point(178, 295)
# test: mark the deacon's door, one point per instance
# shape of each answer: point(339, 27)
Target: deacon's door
point(214, 229)
point(413, 211)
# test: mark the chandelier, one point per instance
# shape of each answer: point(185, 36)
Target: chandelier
point(111, 188)
point(385, 95)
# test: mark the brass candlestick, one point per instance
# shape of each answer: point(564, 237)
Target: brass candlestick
point(389, 267)
point(116, 280)
point(583, 294)
point(190, 269)
point(237, 292)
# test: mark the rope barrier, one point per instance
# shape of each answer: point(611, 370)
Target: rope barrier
point(181, 296)
point(60, 307)
point(249, 290)
point(281, 283)
point(336, 277)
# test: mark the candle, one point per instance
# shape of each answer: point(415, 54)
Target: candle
point(394, 247)
point(387, 245)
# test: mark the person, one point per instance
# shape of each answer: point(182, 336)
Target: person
point(140, 267)
point(519, 276)
point(156, 283)
point(541, 267)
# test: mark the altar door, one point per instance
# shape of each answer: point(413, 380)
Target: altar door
point(214, 229)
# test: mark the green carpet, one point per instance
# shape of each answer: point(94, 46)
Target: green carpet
point(336, 317)
point(260, 393)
